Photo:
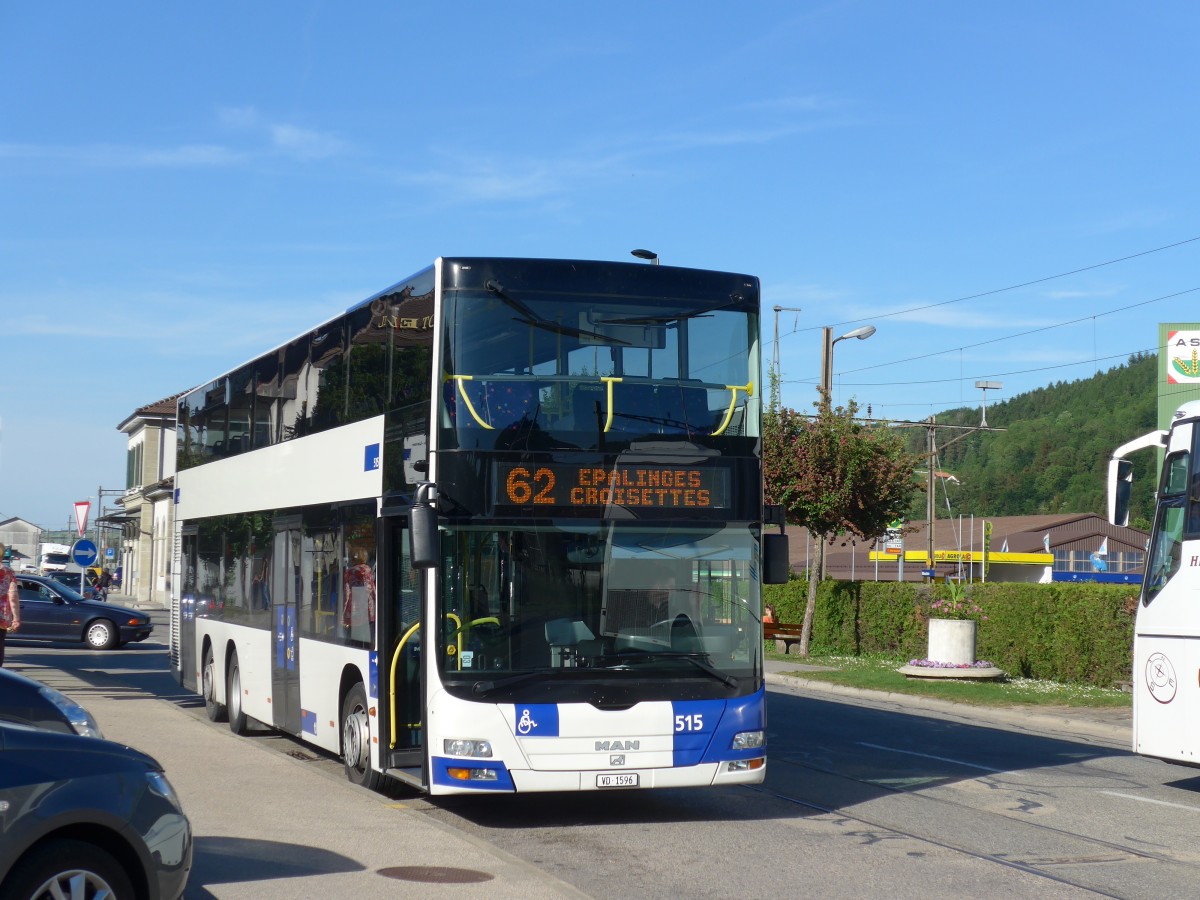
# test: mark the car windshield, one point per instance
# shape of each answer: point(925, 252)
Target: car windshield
point(67, 591)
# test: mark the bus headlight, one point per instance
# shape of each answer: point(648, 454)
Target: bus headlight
point(468, 747)
point(473, 774)
point(748, 740)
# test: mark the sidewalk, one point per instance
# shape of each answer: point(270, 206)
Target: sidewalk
point(273, 825)
point(1078, 723)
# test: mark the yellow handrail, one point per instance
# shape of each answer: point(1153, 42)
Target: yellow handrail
point(610, 380)
point(748, 387)
point(392, 681)
point(485, 620)
point(467, 400)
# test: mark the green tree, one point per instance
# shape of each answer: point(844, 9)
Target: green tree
point(834, 474)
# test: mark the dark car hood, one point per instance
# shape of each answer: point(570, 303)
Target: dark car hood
point(29, 739)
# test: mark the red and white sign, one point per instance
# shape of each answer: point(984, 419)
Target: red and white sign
point(82, 508)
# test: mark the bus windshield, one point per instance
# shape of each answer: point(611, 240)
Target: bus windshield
point(1166, 549)
point(590, 371)
point(548, 608)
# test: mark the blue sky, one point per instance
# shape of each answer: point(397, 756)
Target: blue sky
point(186, 185)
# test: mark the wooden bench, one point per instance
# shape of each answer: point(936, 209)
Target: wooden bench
point(785, 636)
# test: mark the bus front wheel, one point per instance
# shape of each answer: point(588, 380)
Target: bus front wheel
point(356, 740)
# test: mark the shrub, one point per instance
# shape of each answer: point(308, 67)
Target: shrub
point(1068, 632)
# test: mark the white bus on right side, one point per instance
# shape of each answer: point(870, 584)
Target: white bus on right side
point(1166, 643)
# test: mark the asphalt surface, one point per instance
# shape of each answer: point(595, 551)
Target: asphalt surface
point(270, 824)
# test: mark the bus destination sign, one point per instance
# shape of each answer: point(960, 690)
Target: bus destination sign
point(557, 486)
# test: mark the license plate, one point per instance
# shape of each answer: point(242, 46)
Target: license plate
point(623, 779)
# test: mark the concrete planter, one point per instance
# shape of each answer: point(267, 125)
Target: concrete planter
point(953, 641)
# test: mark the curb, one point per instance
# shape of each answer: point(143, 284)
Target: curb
point(1076, 723)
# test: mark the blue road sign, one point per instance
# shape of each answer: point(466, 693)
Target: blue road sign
point(84, 553)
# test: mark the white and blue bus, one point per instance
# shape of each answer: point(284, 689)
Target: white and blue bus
point(496, 528)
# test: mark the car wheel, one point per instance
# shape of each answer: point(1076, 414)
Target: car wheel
point(233, 696)
point(68, 868)
point(101, 635)
point(216, 710)
point(356, 740)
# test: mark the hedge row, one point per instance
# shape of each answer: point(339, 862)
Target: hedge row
point(1067, 632)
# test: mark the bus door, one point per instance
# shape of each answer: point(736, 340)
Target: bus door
point(185, 615)
point(1166, 643)
point(286, 585)
point(400, 613)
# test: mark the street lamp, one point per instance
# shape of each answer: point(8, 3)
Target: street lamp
point(986, 386)
point(827, 356)
point(646, 254)
point(829, 340)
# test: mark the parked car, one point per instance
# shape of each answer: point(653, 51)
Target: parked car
point(29, 702)
point(51, 611)
point(72, 580)
point(85, 817)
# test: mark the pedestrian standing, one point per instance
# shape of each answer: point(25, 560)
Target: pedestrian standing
point(10, 603)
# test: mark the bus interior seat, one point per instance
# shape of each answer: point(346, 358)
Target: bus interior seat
point(684, 638)
point(584, 399)
point(686, 408)
point(510, 402)
point(564, 637)
point(637, 408)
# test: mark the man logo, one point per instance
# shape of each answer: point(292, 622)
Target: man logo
point(617, 759)
point(617, 745)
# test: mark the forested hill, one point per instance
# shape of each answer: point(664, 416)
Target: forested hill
point(1053, 455)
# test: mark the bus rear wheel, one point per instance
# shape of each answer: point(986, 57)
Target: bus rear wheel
point(212, 706)
point(356, 740)
point(233, 697)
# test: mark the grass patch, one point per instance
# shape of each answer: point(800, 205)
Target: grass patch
point(878, 673)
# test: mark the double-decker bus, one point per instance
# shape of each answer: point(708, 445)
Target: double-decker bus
point(1166, 642)
point(496, 528)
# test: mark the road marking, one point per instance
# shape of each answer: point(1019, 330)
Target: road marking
point(1151, 800)
point(957, 762)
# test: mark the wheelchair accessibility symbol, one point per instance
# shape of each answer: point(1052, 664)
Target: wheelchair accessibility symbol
point(525, 724)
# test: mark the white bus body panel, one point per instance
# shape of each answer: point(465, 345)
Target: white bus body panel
point(321, 668)
point(326, 467)
point(320, 676)
point(254, 648)
point(1166, 655)
point(577, 754)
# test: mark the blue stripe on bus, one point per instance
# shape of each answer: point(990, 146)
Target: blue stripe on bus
point(704, 729)
point(441, 764)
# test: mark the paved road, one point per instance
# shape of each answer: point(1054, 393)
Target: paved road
point(866, 796)
point(271, 820)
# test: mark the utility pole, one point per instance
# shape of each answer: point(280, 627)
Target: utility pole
point(930, 505)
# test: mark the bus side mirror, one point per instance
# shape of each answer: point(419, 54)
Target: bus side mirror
point(423, 529)
point(775, 563)
point(1120, 486)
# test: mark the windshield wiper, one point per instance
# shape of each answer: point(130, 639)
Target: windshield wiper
point(529, 317)
point(483, 688)
point(696, 659)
